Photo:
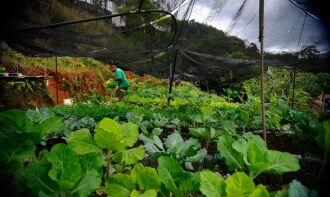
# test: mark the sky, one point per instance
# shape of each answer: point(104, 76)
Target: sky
point(283, 24)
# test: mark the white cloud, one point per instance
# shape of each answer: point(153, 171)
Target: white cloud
point(283, 22)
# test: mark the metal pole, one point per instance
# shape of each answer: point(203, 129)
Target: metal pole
point(261, 40)
point(56, 81)
point(172, 77)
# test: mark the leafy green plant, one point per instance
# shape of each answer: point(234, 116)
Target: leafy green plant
point(176, 180)
point(142, 181)
point(239, 184)
point(250, 153)
point(185, 151)
point(295, 188)
point(208, 134)
point(116, 139)
point(2, 69)
point(64, 172)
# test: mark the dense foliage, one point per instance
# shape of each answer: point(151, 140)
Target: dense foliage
point(202, 144)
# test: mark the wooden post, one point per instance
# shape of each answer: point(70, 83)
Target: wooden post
point(261, 40)
point(56, 80)
point(294, 71)
point(293, 88)
point(172, 77)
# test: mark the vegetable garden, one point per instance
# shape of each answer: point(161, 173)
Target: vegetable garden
point(201, 145)
point(219, 130)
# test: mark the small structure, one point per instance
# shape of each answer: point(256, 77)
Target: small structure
point(323, 102)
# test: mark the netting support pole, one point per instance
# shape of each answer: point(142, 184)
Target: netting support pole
point(56, 77)
point(293, 88)
point(297, 57)
point(261, 40)
point(171, 78)
point(140, 5)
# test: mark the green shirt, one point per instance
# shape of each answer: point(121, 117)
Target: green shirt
point(123, 83)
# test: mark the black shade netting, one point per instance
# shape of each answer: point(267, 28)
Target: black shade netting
point(124, 38)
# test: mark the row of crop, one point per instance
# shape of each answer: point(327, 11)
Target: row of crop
point(220, 114)
point(107, 159)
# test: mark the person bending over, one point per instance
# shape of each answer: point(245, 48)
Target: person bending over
point(123, 83)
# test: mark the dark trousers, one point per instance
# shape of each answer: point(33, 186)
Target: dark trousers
point(120, 93)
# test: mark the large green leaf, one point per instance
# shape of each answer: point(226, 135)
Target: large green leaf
point(185, 148)
point(212, 185)
point(170, 173)
point(157, 131)
point(233, 159)
point(91, 161)
point(89, 183)
point(50, 126)
point(37, 179)
point(261, 144)
point(116, 190)
point(108, 134)
point(189, 183)
point(296, 189)
point(66, 169)
point(214, 133)
point(151, 148)
point(13, 121)
point(81, 142)
point(200, 155)
point(14, 149)
point(327, 136)
point(229, 127)
point(239, 184)
point(200, 133)
point(145, 139)
point(130, 133)
point(130, 156)
point(33, 130)
point(146, 177)
point(281, 162)
point(148, 193)
point(241, 146)
point(119, 185)
point(172, 140)
point(323, 138)
point(256, 158)
point(260, 191)
point(39, 115)
point(158, 142)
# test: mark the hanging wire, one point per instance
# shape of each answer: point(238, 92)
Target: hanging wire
point(217, 7)
point(186, 17)
point(301, 31)
point(250, 21)
point(236, 16)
